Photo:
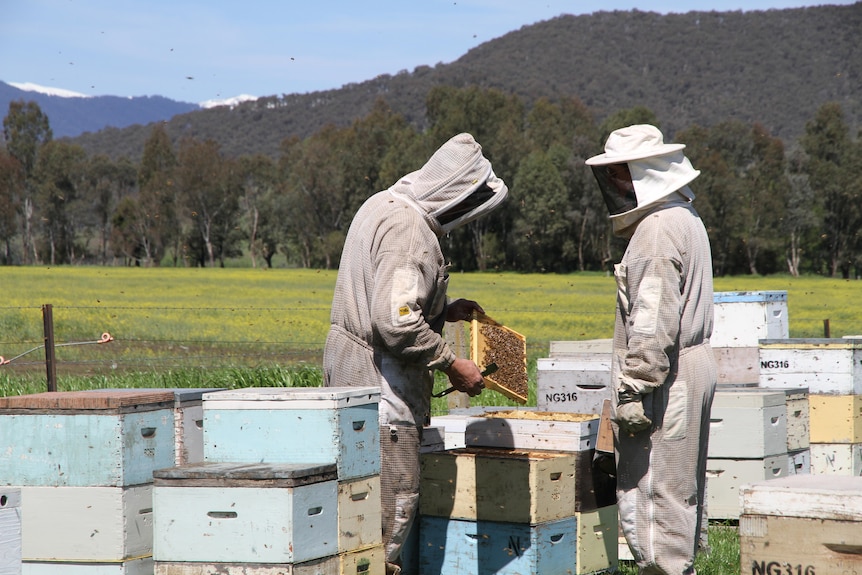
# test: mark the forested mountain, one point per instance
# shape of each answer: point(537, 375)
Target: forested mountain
point(774, 67)
point(73, 116)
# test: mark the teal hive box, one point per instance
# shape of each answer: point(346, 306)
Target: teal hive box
point(295, 425)
point(85, 438)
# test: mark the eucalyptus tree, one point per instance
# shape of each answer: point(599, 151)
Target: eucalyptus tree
point(153, 216)
point(26, 129)
point(105, 183)
point(258, 175)
point(11, 181)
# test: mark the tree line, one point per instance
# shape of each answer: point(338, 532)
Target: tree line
point(767, 209)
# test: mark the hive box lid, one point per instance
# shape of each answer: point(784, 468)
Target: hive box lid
point(219, 474)
point(118, 399)
point(812, 343)
point(748, 397)
point(292, 397)
point(837, 497)
point(749, 296)
point(181, 394)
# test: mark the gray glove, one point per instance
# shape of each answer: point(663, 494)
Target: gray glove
point(630, 413)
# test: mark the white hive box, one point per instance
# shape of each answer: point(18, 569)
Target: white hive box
point(359, 514)
point(85, 438)
point(744, 318)
point(87, 524)
point(454, 423)
point(525, 429)
point(836, 459)
point(581, 348)
point(802, 524)
point(747, 424)
point(573, 384)
point(800, 462)
point(824, 366)
point(325, 566)
point(725, 477)
point(245, 513)
point(10, 531)
point(295, 425)
point(836, 418)
point(798, 413)
point(737, 365)
point(140, 566)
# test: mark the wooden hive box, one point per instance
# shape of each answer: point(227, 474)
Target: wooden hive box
point(583, 543)
point(245, 513)
point(823, 366)
point(367, 561)
point(573, 384)
point(359, 514)
point(533, 429)
point(87, 524)
point(139, 566)
point(804, 524)
point(798, 412)
point(324, 566)
point(86, 438)
point(836, 459)
point(519, 486)
point(336, 424)
point(725, 477)
point(747, 424)
point(10, 531)
point(800, 461)
point(743, 318)
point(836, 418)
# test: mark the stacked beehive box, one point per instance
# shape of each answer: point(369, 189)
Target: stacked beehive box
point(521, 497)
point(84, 463)
point(10, 531)
point(803, 524)
point(831, 370)
point(575, 378)
point(289, 484)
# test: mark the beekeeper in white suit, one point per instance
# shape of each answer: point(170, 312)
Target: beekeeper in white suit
point(664, 369)
point(390, 305)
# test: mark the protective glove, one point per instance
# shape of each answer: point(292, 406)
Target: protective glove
point(630, 413)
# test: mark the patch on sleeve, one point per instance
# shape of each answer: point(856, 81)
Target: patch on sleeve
point(405, 285)
point(649, 299)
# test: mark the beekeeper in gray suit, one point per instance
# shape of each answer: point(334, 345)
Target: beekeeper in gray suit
point(390, 305)
point(664, 370)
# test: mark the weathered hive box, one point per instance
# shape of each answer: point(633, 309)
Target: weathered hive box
point(747, 424)
point(87, 524)
point(573, 384)
point(368, 561)
point(824, 366)
point(454, 423)
point(245, 513)
point(836, 459)
point(799, 462)
point(325, 566)
point(10, 531)
point(85, 438)
point(518, 486)
point(737, 365)
point(583, 543)
point(836, 418)
point(522, 429)
point(802, 524)
point(188, 422)
point(725, 477)
point(359, 514)
point(295, 425)
point(140, 566)
point(744, 318)
point(433, 439)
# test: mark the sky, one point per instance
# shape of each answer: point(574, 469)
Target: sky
point(202, 50)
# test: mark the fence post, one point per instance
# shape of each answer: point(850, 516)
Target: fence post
point(50, 360)
point(827, 333)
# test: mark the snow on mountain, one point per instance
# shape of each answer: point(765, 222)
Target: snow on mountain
point(30, 87)
point(227, 101)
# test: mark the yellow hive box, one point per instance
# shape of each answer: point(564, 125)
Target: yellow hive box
point(492, 342)
point(835, 418)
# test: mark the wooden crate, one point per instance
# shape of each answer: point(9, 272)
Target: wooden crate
point(744, 318)
point(359, 514)
point(836, 418)
point(836, 459)
point(573, 384)
point(725, 477)
point(336, 424)
point(520, 486)
point(802, 524)
point(10, 530)
point(324, 566)
point(531, 430)
point(85, 438)
point(245, 513)
point(368, 561)
point(139, 566)
point(824, 366)
point(747, 424)
point(87, 524)
point(583, 543)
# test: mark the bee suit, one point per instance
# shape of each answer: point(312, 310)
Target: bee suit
point(664, 369)
point(390, 305)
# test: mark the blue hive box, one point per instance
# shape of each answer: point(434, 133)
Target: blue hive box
point(86, 438)
point(295, 425)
